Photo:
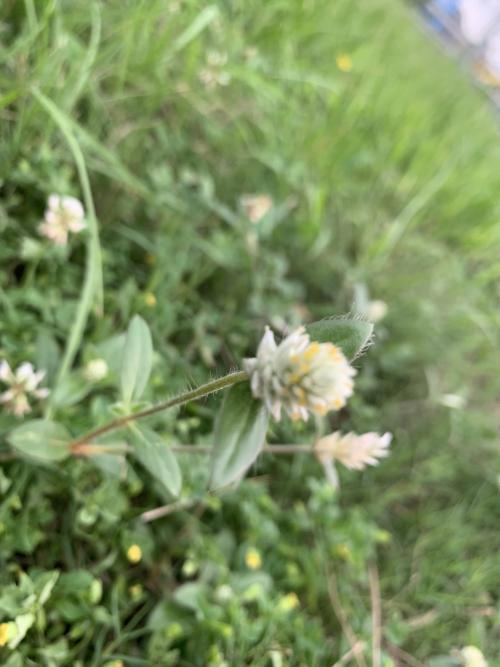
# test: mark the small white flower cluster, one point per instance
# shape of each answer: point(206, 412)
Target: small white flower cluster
point(63, 215)
point(352, 450)
point(22, 384)
point(299, 376)
point(256, 207)
point(213, 74)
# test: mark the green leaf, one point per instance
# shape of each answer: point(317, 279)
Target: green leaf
point(137, 360)
point(239, 435)
point(41, 440)
point(23, 624)
point(47, 354)
point(155, 455)
point(71, 390)
point(352, 336)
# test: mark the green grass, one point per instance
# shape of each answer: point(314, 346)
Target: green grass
point(385, 176)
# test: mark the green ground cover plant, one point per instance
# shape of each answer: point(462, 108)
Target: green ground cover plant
point(240, 165)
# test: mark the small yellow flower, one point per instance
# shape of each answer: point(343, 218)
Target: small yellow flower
point(150, 299)
point(135, 591)
point(343, 551)
point(253, 559)
point(115, 663)
point(4, 633)
point(288, 602)
point(344, 62)
point(134, 553)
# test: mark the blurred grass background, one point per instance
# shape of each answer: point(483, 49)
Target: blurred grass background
point(382, 163)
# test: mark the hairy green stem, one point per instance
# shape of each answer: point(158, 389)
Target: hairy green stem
point(186, 397)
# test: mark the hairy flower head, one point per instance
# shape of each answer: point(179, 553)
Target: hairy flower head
point(22, 383)
point(300, 375)
point(62, 216)
point(352, 450)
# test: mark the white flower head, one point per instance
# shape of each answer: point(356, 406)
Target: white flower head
point(62, 216)
point(299, 376)
point(473, 657)
point(256, 206)
point(22, 384)
point(352, 450)
point(96, 370)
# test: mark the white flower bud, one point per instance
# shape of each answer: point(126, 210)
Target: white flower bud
point(354, 451)
point(96, 370)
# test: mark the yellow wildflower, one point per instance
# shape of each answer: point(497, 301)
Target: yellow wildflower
point(344, 62)
point(150, 299)
point(135, 591)
point(4, 633)
point(253, 559)
point(134, 553)
point(288, 602)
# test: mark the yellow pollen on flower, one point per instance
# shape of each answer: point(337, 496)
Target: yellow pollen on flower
point(344, 62)
point(311, 351)
point(4, 633)
point(296, 377)
point(299, 391)
point(334, 353)
point(253, 559)
point(134, 553)
point(338, 403)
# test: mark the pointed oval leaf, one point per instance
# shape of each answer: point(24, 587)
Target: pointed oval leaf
point(240, 433)
point(41, 440)
point(352, 336)
point(155, 455)
point(137, 360)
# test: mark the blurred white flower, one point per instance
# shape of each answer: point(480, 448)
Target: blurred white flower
point(453, 401)
point(22, 384)
point(216, 59)
point(256, 206)
point(352, 450)
point(213, 75)
point(62, 216)
point(376, 310)
point(473, 657)
point(250, 53)
point(299, 376)
point(95, 370)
